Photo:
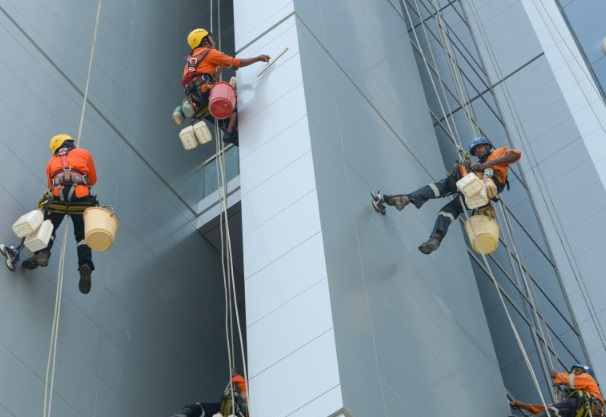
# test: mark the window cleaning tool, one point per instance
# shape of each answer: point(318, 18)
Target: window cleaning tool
point(265, 70)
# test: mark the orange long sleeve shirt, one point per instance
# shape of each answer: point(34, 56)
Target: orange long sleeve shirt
point(207, 61)
point(501, 170)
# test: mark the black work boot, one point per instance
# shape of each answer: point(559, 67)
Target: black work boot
point(85, 283)
point(431, 245)
point(378, 202)
point(39, 258)
point(398, 201)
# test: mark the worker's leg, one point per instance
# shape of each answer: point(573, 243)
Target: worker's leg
point(85, 256)
point(41, 257)
point(566, 408)
point(446, 216)
point(231, 129)
point(438, 189)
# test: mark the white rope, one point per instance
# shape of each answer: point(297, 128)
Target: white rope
point(457, 76)
point(547, 200)
point(227, 262)
point(455, 73)
point(51, 364)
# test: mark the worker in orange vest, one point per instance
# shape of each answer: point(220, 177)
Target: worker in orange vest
point(491, 161)
point(224, 408)
point(583, 390)
point(71, 174)
point(202, 67)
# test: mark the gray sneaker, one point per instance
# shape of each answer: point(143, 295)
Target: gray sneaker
point(11, 255)
point(378, 202)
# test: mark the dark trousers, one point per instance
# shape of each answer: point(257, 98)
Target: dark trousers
point(85, 256)
point(566, 408)
point(440, 189)
point(443, 188)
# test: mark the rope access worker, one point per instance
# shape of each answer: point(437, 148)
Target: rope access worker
point(71, 174)
point(200, 73)
point(584, 398)
point(224, 408)
point(491, 160)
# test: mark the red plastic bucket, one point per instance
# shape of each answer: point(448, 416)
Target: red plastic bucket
point(222, 100)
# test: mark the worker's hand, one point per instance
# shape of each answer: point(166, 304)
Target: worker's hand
point(553, 374)
point(477, 167)
point(515, 403)
point(263, 58)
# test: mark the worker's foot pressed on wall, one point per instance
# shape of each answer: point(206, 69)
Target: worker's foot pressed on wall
point(39, 258)
point(85, 283)
point(431, 244)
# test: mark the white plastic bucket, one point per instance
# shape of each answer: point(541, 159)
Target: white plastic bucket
point(483, 233)
point(39, 239)
point(470, 185)
point(100, 228)
point(202, 132)
point(28, 223)
point(188, 138)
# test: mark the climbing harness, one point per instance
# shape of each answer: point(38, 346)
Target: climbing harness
point(49, 378)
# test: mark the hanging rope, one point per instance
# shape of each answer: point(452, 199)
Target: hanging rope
point(466, 105)
point(456, 75)
point(547, 200)
point(226, 253)
point(51, 364)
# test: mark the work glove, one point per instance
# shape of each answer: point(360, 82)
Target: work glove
point(477, 167)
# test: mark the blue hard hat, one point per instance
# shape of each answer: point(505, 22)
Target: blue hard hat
point(584, 368)
point(480, 140)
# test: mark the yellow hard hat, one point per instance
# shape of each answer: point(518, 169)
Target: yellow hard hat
point(57, 141)
point(196, 36)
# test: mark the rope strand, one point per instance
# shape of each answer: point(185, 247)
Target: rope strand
point(51, 364)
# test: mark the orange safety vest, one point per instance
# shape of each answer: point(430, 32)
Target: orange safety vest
point(75, 167)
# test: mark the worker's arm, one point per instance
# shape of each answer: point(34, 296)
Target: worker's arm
point(92, 170)
point(244, 62)
point(531, 408)
point(511, 156)
point(559, 378)
point(48, 176)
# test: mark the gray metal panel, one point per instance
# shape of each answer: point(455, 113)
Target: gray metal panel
point(146, 340)
point(403, 322)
